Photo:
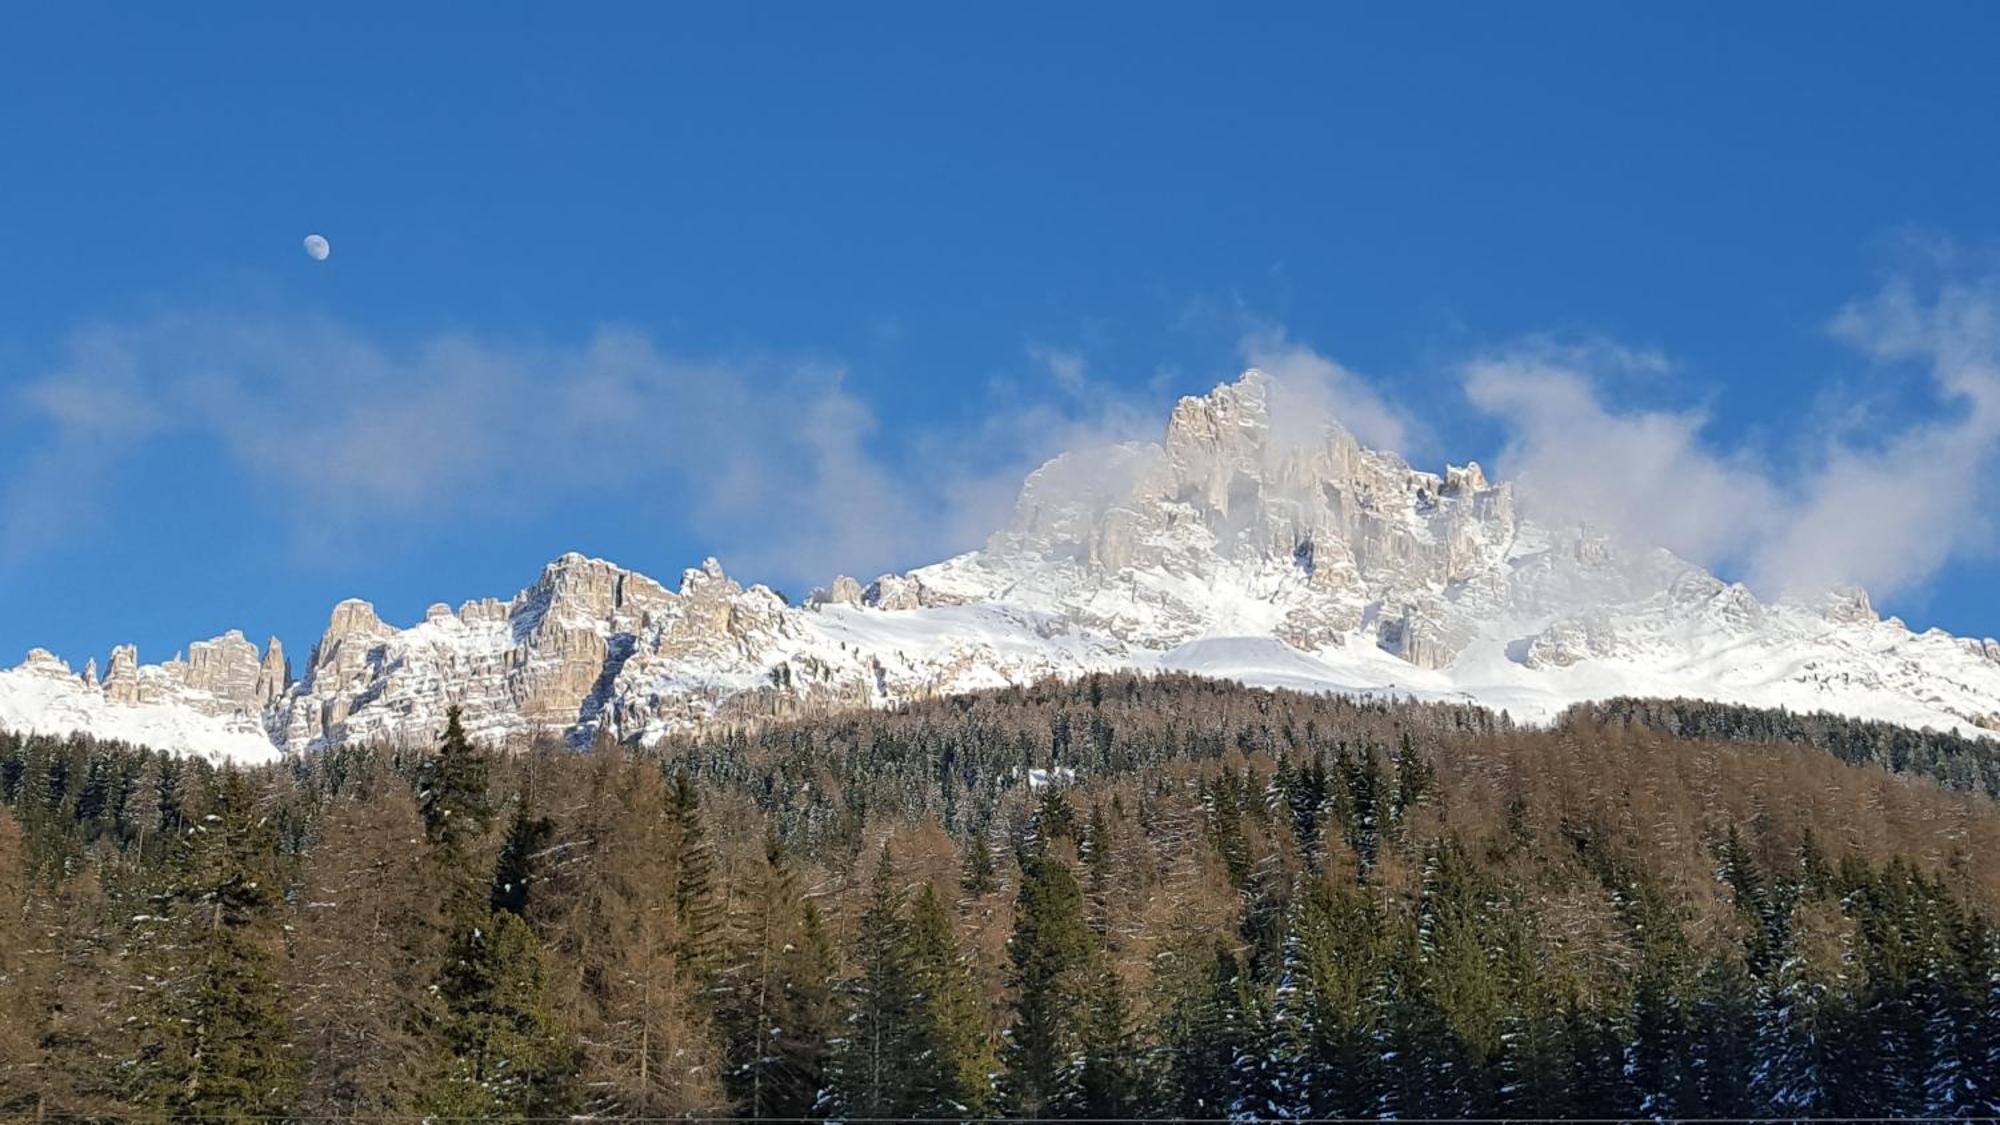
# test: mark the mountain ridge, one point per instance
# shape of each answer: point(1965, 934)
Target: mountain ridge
point(1256, 541)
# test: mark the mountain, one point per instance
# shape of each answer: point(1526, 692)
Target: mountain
point(1246, 544)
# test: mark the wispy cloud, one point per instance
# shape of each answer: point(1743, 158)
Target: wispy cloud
point(1314, 389)
point(770, 456)
point(1849, 499)
point(791, 476)
point(774, 461)
point(1644, 475)
point(1890, 510)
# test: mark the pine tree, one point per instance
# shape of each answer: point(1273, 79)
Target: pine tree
point(814, 1011)
point(1983, 1044)
point(772, 1000)
point(1792, 1074)
point(1051, 947)
point(951, 1056)
point(215, 1041)
point(1106, 1078)
point(1951, 1084)
point(1415, 778)
point(1361, 806)
point(1723, 1016)
point(1203, 1026)
point(495, 1045)
point(506, 1055)
point(1323, 1005)
point(1272, 1076)
point(513, 876)
point(978, 877)
point(1095, 852)
point(874, 1051)
point(456, 810)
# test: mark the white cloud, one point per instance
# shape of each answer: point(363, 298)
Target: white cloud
point(1643, 475)
point(1069, 369)
point(1312, 389)
point(773, 463)
point(767, 458)
point(785, 471)
point(1888, 514)
point(1846, 501)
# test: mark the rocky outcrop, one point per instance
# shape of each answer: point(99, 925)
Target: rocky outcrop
point(226, 668)
point(121, 675)
point(274, 675)
point(1250, 542)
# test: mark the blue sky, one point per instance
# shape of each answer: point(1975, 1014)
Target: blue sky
point(807, 288)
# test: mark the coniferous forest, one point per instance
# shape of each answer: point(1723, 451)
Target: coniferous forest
point(1116, 897)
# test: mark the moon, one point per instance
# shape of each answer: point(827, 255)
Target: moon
point(317, 247)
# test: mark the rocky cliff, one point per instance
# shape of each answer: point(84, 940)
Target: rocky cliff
point(1242, 544)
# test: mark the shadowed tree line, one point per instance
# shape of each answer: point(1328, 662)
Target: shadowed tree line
point(1953, 760)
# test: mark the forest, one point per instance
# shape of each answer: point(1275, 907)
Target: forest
point(1115, 897)
point(1953, 760)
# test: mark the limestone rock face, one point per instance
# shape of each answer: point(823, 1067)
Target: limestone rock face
point(42, 662)
point(1322, 529)
point(121, 676)
point(1848, 605)
point(844, 591)
point(274, 674)
point(227, 668)
point(1255, 540)
point(893, 591)
point(1572, 640)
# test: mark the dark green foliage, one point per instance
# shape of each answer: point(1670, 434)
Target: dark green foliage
point(698, 910)
point(1049, 961)
point(1107, 1078)
point(1204, 1026)
point(951, 1054)
point(514, 874)
point(978, 876)
point(214, 1040)
point(870, 1077)
point(452, 792)
point(457, 812)
point(505, 1056)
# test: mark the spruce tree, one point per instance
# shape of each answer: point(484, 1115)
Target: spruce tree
point(527, 836)
point(1106, 1080)
point(496, 1048)
point(814, 1011)
point(505, 1053)
point(951, 1055)
point(1204, 1025)
point(457, 812)
point(215, 1041)
point(1791, 1075)
point(872, 1076)
point(772, 999)
point(1051, 947)
point(978, 877)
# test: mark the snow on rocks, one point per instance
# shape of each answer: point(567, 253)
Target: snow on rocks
point(1242, 545)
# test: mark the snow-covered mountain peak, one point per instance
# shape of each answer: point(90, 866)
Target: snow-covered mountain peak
point(1256, 539)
